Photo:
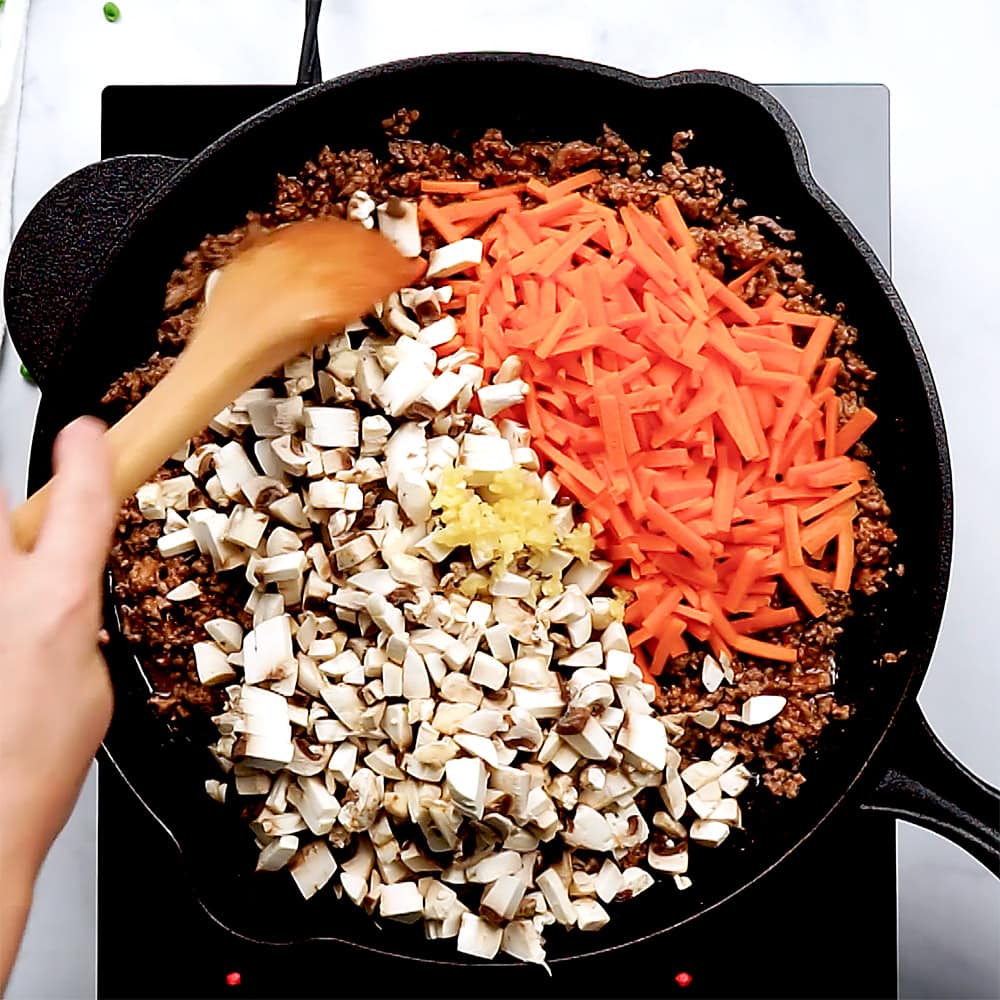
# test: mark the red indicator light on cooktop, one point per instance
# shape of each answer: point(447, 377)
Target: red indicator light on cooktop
point(233, 979)
point(683, 979)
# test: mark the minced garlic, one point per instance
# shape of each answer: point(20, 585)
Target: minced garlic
point(618, 604)
point(502, 519)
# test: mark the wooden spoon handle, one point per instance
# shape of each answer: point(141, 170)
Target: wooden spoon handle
point(181, 405)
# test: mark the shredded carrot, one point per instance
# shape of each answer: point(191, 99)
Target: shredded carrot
point(851, 432)
point(480, 210)
point(845, 557)
point(571, 184)
point(431, 213)
point(670, 216)
point(766, 618)
point(448, 187)
point(701, 435)
point(830, 502)
point(764, 650)
point(492, 192)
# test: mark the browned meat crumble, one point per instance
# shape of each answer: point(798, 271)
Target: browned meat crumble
point(729, 243)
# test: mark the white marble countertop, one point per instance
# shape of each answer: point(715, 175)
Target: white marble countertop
point(936, 62)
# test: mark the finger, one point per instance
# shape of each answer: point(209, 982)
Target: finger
point(77, 529)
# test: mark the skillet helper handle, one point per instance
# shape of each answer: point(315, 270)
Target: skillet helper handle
point(59, 251)
point(925, 784)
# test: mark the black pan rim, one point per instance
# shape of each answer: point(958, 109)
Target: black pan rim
point(808, 182)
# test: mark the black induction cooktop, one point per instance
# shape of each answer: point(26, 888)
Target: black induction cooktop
point(822, 925)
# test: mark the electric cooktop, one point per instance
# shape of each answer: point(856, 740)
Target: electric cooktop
point(822, 925)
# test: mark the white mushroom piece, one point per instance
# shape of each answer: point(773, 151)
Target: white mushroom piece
point(312, 867)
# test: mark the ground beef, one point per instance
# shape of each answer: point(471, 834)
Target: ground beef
point(779, 746)
point(727, 244)
point(165, 631)
point(134, 384)
point(188, 281)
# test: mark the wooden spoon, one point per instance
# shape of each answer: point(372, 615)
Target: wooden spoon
point(285, 292)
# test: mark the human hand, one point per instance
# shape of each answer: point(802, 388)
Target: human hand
point(56, 701)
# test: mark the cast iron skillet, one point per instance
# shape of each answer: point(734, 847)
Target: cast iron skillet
point(83, 296)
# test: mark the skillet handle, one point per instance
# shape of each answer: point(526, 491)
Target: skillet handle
point(55, 259)
point(922, 782)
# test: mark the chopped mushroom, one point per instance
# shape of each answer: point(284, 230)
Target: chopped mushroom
point(590, 915)
point(212, 664)
point(454, 258)
point(278, 853)
point(186, 591)
point(478, 937)
point(312, 868)
point(401, 901)
point(762, 708)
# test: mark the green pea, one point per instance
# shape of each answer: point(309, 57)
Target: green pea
point(111, 12)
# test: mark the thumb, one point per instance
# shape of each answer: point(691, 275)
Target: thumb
point(78, 523)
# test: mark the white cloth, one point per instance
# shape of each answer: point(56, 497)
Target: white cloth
point(13, 28)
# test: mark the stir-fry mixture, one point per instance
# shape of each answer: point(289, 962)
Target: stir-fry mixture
point(502, 598)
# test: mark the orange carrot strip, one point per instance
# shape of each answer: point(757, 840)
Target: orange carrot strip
point(433, 215)
point(828, 376)
point(673, 221)
point(725, 490)
point(574, 183)
point(530, 259)
point(800, 473)
point(539, 189)
point(472, 327)
point(552, 211)
point(816, 535)
point(429, 186)
point(745, 574)
point(764, 650)
point(771, 305)
point(564, 253)
point(492, 192)
point(795, 577)
point(693, 614)
point(485, 208)
point(789, 407)
point(845, 558)
point(670, 644)
point(609, 416)
point(448, 348)
point(794, 318)
point(793, 539)
point(753, 418)
point(835, 476)
point(852, 430)
point(715, 289)
point(831, 411)
point(741, 279)
point(563, 321)
point(816, 346)
point(766, 618)
point(831, 502)
point(572, 466)
point(679, 532)
point(819, 577)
